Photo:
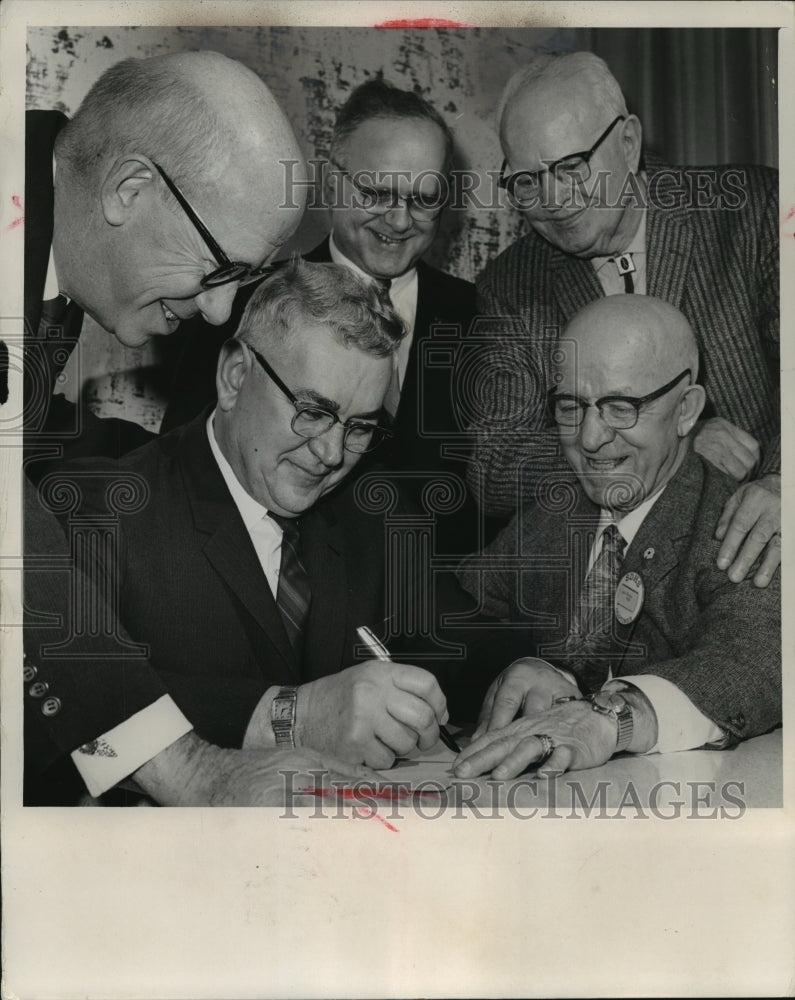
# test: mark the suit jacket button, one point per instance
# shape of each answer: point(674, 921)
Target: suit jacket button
point(39, 689)
point(50, 707)
point(29, 673)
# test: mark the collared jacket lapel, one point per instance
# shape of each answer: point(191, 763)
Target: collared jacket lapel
point(228, 546)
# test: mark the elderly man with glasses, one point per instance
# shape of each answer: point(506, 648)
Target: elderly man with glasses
point(250, 564)
point(161, 196)
point(602, 223)
point(636, 641)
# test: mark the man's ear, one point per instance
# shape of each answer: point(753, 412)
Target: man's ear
point(230, 373)
point(632, 140)
point(690, 407)
point(128, 178)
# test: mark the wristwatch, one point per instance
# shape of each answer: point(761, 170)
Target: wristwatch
point(283, 716)
point(614, 704)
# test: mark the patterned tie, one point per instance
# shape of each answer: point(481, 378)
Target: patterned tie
point(293, 595)
point(392, 398)
point(588, 644)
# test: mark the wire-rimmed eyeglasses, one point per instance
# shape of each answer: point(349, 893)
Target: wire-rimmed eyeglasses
point(380, 200)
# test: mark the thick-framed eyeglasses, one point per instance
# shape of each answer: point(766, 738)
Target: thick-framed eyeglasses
point(310, 421)
point(227, 270)
point(380, 200)
point(525, 185)
point(619, 412)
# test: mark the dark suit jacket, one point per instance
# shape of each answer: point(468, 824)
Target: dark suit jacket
point(429, 416)
point(719, 642)
point(54, 428)
point(191, 588)
point(713, 255)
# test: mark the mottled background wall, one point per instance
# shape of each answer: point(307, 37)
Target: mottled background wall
point(703, 96)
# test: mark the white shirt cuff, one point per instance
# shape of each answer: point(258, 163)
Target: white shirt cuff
point(680, 725)
point(110, 758)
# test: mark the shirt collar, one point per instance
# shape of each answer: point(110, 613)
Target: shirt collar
point(636, 245)
point(397, 284)
point(250, 509)
point(630, 523)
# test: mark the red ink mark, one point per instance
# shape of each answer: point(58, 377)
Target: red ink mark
point(422, 22)
point(358, 792)
point(15, 201)
point(790, 214)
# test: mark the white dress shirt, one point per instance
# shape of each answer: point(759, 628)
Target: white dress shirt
point(607, 272)
point(403, 294)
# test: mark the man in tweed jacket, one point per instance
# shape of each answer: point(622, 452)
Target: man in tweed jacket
point(702, 654)
point(703, 239)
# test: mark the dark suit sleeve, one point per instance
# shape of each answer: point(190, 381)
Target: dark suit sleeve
point(730, 665)
point(94, 681)
point(767, 283)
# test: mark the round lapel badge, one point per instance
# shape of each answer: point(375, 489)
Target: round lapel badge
point(629, 598)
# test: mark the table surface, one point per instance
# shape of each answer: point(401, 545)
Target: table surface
point(729, 781)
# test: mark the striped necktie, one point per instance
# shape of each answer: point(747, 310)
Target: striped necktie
point(293, 595)
point(589, 643)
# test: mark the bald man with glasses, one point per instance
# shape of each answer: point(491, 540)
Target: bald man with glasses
point(154, 203)
point(636, 642)
point(603, 219)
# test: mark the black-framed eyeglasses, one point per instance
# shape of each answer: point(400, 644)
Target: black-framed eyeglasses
point(227, 270)
point(524, 186)
point(310, 420)
point(380, 200)
point(619, 412)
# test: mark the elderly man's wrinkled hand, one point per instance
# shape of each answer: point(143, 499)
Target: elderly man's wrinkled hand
point(728, 447)
point(581, 738)
point(528, 686)
point(749, 526)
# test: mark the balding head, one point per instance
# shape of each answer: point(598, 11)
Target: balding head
point(626, 346)
point(556, 107)
point(214, 127)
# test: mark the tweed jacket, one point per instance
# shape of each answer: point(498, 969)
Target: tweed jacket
point(719, 642)
point(712, 251)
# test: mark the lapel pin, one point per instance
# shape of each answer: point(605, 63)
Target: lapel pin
point(648, 553)
point(629, 598)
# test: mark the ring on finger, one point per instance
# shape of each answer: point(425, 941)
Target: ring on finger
point(547, 747)
point(564, 699)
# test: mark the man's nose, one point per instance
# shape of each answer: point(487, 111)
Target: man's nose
point(328, 448)
point(215, 304)
point(399, 217)
point(594, 432)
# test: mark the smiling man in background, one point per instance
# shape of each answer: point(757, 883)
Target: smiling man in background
point(152, 205)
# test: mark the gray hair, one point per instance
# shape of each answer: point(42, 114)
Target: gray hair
point(357, 311)
point(563, 66)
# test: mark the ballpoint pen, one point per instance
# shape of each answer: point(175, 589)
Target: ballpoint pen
point(380, 652)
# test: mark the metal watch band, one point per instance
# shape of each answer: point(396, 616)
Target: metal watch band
point(605, 703)
point(283, 716)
